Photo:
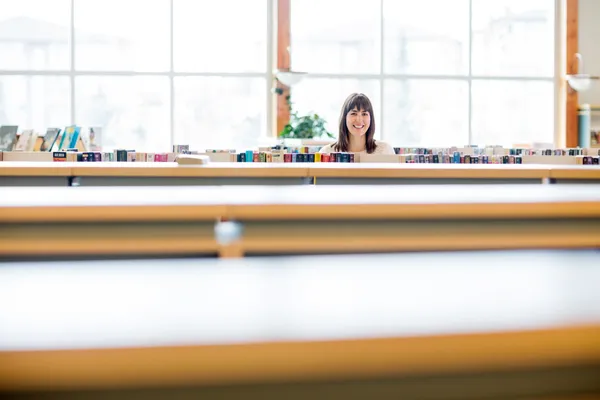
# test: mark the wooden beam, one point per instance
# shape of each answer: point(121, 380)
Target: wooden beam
point(283, 60)
point(572, 47)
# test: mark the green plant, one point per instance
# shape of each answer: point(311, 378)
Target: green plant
point(304, 126)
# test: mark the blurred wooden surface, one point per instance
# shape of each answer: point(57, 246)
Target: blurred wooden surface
point(575, 172)
point(180, 323)
point(298, 202)
point(399, 170)
point(297, 219)
point(15, 168)
point(329, 170)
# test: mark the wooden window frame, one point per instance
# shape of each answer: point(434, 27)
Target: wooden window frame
point(570, 96)
point(283, 61)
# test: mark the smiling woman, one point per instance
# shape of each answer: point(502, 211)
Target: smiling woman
point(357, 128)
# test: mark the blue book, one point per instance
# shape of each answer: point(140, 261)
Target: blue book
point(70, 137)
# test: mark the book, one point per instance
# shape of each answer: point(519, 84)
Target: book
point(59, 156)
point(50, 138)
point(188, 159)
point(26, 140)
point(94, 139)
point(8, 136)
point(70, 137)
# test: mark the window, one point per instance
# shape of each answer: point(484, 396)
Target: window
point(115, 35)
point(209, 37)
point(34, 101)
point(132, 110)
point(463, 74)
point(219, 112)
point(335, 36)
point(34, 35)
point(150, 73)
point(198, 71)
point(221, 87)
point(426, 112)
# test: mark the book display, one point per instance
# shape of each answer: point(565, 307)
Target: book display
point(307, 154)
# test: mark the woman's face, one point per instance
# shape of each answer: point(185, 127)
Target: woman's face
point(358, 122)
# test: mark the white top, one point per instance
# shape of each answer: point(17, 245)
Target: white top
point(382, 148)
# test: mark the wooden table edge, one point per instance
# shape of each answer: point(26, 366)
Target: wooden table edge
point(189, 172)
point(527, 210)
point(298, 361)
point(120, 213)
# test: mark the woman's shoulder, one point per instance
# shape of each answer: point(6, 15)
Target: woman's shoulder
point(384, 148)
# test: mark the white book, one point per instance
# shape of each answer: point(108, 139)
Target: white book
point(94, 138)
point(26, 140)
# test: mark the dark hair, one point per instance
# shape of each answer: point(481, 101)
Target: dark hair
point(362, 103)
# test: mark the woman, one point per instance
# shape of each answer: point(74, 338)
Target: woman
point(357, 129)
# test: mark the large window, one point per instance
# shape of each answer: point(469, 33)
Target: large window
point(199, 72)
point(472, 72)
point(152, 73)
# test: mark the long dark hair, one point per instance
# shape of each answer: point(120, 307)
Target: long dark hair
point(362, 103)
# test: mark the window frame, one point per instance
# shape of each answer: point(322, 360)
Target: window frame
point(278, 40)
point(559, 134)
point(171, 74)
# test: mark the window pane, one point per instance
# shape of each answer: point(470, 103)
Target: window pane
point(133, 111)
point(336, 36)
point(34, 34)
point(514, 112)
point(220, 112)
point(432, 113)
point(513, 37)
point(114, 35)
point(326, 97)
point(419, 41)
point(221, 40)
point(35, 102)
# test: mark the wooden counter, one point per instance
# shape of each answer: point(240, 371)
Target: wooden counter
point(576, 173)
point(297, 203)
point(94, 221)
point(348, 219)
point(430, 202)
point(221, 169)
point(444, 324)
point(152, 174)
point(149, 174)
point(34, 174)
point(14, 168)
point(442, 171)
point(291, 219)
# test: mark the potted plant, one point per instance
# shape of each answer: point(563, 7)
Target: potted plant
point(309, 126)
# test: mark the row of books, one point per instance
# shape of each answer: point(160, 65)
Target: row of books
point(457, 158)
point(282, 156)
point(117, 155)
point(465, 150)
point(269, 157)
point(55, 139)
point(89, 139)
point(300, 153)
point(498, 151)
